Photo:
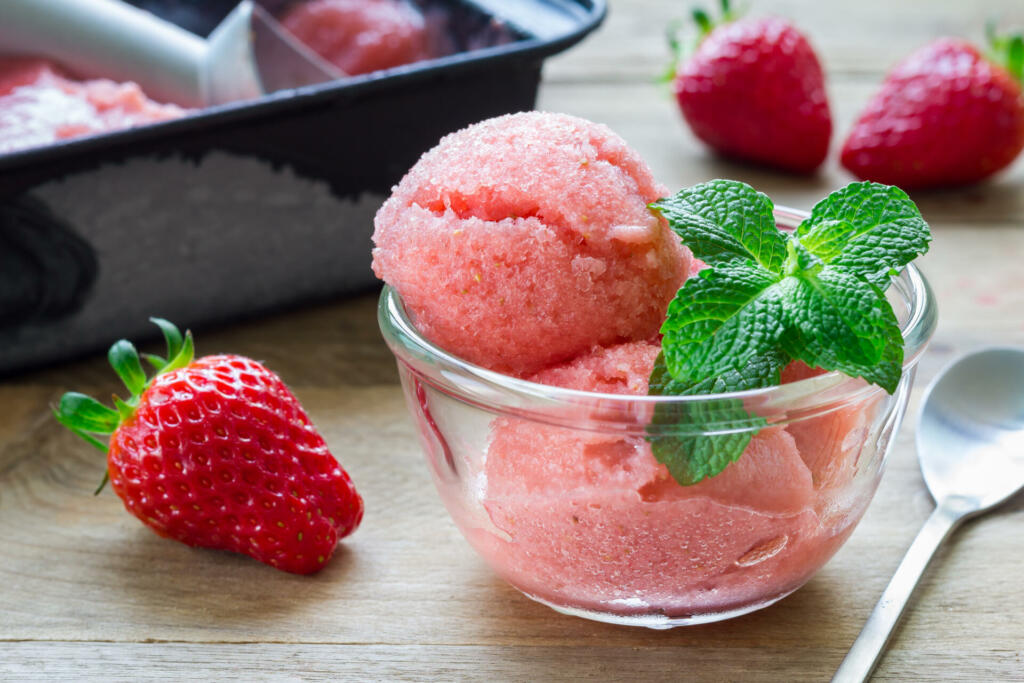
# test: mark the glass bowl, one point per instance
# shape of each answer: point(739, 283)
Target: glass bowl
point(558, 491)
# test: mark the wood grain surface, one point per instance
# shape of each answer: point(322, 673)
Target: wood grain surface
point(87, 593)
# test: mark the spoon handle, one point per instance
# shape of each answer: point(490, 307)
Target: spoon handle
point(867, 650)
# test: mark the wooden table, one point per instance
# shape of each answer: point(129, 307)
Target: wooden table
point(87, 593)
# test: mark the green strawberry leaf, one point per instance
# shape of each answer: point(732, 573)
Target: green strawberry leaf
point(86, 416)
point(78, 411)
point(125, 361)
point(172, 335)
point(725, 221)
point(184, 356)
point(721, 319)
point(158, 363)
point(874, 230)
point(1015, 57)
point(837, 320)
point(699, 439)
point(1006, 50)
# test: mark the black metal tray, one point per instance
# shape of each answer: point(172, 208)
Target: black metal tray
point(249, 207)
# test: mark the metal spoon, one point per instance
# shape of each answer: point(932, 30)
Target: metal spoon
point(970, 443)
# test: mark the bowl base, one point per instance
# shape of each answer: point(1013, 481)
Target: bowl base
point(657, 620)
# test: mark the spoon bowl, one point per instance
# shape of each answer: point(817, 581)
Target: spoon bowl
point(970, 444)
point(970, 439)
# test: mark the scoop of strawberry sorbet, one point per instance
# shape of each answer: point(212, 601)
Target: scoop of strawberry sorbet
point(525, 240)
point(360, 36)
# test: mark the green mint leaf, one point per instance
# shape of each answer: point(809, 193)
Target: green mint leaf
point(700, 439)
point(837, 320)
point(826, 239)
point(721, 319)
point(800, 260)
point(725, 221)
point(872, 229)
point(767, 298)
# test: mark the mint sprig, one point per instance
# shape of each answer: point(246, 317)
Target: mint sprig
point(769, 297)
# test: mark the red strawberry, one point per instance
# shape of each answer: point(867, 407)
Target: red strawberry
point(944, 116)
point(218, 453)
point(754, 90)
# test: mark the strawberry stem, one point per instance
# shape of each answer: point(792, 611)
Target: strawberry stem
point(184, 355)
point(172, 335)
point(1006, 50)
point(727, 15)
point(85, 416)
point(703, 21)
point(124, 410)
point(125, 360)
point(78, 411)
point(103, 483)
point(675, 46)
point(1015, 58)
point(681, 50)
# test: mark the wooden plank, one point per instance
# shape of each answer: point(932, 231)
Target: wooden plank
point(49, 661)
point(80, 568)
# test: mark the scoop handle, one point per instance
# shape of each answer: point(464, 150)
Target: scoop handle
point(108, 39)
point(867, 650)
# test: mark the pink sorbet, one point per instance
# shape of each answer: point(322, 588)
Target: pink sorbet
point(39, 104)
point(831, 443)
point(360, 36)
point(525, 240)
point(594, 521)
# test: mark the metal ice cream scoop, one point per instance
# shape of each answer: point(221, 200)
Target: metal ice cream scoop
point(247, 55)
point(970, 443)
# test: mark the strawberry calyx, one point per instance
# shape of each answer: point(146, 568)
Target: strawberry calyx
point(88, 418)
point(1006, 50)
point(683, 47)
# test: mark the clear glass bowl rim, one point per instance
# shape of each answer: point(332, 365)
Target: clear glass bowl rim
point(504, 394)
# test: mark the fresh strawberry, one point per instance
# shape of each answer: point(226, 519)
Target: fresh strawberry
point(944, 116)
point(218, 453)
point(753, 89)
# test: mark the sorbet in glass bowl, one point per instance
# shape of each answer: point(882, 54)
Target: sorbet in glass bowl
point(528, 280)
point(557, 489)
